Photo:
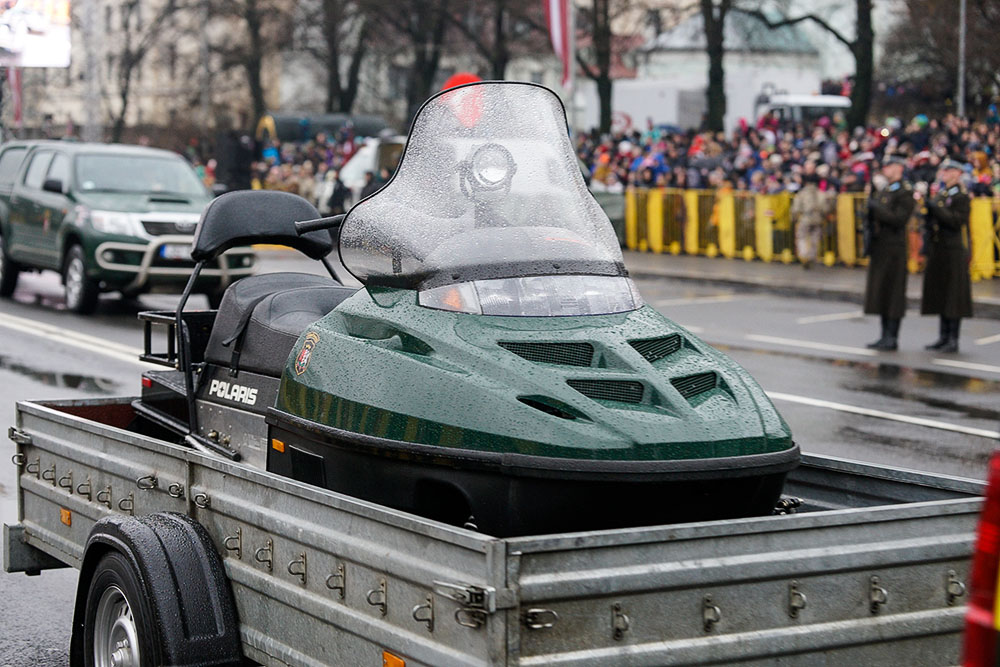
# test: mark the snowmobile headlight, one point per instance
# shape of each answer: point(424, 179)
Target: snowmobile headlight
point(459, 298)
point(537, 296)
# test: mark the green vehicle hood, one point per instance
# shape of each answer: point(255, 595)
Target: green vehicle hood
point(130, 202)
point(630, 386)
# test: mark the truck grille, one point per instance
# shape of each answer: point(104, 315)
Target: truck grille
point(654, 349)
point(161, 228)
point(620, 391)
point(692, 385)
point(565, 354)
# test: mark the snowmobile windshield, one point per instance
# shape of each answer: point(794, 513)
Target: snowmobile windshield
point(489, 188)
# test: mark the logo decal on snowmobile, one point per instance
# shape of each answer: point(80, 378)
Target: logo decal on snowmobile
point(305, 354)
point(233, 392)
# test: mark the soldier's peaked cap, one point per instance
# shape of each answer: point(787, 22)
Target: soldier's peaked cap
point(894, 159)
point(952, 164)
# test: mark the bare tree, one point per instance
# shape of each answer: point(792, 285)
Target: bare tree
point(861, 46)
point(714, 13)
point(921, 51)
point(337, 34)
point(423, 24)
point(265, 24)
point(499, 29)
point(138, 37)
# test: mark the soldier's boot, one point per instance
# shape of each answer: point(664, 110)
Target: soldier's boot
point(884, 338)
point(891, 341)
point(951, 345)
point(942, 336)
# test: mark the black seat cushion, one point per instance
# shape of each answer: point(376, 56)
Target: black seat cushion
point(283, 304)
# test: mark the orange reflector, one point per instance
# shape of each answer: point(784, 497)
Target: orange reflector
point(390, 660)
point(278, 445)
point(453, 299)
point(65, 516)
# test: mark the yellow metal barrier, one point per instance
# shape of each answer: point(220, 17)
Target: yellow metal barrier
point(654, 220)
point(752, 226)
point(983, 239)
point(744, 224)
point(631, 231)
point(691, 225)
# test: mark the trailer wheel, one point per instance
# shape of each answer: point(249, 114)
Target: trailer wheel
point(118, 629)
point(153, 591)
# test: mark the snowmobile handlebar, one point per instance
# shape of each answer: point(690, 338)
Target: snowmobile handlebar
point(306, 226)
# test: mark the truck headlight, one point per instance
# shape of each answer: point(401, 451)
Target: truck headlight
point(112, 222)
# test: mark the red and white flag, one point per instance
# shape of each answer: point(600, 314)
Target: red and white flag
point(14, 80)
point(557, 16)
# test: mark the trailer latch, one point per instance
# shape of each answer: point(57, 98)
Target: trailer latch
point(483, 598)
point(477, 602)
point(18, 436)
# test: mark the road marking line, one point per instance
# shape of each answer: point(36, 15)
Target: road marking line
point(73, 339)
point(989, 340)
point(879, 414)
point(694, 300)
point(832, 317)
point(968, 365)
point(811, 345)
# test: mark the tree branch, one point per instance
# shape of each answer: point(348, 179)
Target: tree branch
point(763, 18)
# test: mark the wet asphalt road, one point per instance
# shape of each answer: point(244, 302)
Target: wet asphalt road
point(808, 354)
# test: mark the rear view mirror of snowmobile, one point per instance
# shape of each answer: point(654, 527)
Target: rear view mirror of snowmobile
point(497, 370)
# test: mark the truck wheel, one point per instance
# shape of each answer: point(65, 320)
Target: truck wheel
point(118, 627)
point(9, 271)
point(81, 291)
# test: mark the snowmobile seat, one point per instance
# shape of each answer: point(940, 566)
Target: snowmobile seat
point(261, 317)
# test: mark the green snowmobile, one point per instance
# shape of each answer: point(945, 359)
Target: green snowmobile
point(498, 369)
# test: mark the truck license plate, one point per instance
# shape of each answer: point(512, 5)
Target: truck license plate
point(173, 251)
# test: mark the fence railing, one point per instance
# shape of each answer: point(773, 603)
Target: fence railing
point(759, 226)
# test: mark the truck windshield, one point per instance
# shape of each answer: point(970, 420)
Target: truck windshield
point(488, 188)
point(138, 174)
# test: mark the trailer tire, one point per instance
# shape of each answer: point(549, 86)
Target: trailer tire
point(165, 595)
point(118, 628)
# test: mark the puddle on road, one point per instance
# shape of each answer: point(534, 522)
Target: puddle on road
point(86, 383)
point(903, 382)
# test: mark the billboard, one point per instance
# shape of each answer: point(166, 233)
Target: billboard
point(34, 33)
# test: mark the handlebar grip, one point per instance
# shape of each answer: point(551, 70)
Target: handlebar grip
point(306, 226)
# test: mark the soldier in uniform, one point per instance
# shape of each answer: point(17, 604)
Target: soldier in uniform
point(947, 286)
point(885, 291)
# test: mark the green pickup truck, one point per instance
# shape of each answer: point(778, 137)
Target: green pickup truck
point(107, 218)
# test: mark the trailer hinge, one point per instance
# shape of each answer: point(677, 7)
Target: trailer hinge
point(18, 436)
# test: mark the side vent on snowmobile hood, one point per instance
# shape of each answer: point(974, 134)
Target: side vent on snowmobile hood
point(654, 349)
point(618, 391)
point(564, 354)
point(693, 385)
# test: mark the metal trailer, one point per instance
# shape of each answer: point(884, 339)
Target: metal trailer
point(870, 569)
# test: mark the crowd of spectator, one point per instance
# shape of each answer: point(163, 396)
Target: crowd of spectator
point(774, 156)
point(310, 169)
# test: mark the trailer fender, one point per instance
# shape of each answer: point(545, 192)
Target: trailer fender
point(181, 576)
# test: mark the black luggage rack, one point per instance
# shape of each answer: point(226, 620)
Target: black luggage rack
point(199, 325)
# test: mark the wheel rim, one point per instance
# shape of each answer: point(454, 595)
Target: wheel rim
point(74, 281)
point(116, 639)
